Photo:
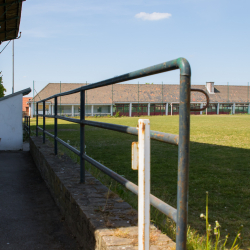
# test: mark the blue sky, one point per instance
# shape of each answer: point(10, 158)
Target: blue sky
point(92, 40)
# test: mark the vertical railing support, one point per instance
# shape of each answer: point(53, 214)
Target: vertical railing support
point(29, 124)
point(55, 126)
point(82, 137)
point(144, 185)
point(183, 163)
point(37, 119)
point(43, 121)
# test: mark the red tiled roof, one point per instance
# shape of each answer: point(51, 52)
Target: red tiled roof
point(152, 93)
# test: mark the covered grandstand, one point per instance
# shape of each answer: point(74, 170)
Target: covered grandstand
point(143, 99)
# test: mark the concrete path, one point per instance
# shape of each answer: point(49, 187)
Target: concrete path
point(29, 217)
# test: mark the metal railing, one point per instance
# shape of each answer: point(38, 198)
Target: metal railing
point(179, 215)
point(26, 124)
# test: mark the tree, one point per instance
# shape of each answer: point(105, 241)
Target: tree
point(2, 89)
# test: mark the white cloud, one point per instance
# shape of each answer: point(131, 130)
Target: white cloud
point(153, 17)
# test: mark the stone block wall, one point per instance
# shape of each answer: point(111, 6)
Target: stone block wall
point(98, 218)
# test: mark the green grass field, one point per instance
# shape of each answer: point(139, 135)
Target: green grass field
point(219, 163)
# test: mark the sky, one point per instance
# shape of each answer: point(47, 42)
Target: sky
point(93, 40)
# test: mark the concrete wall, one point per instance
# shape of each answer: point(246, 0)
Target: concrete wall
point(11, 131)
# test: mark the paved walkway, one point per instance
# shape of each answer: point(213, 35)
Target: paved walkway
point(29, 217)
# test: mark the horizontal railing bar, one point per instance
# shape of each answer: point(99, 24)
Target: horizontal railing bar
point(155, 135)
point(68, 119)
point(39, 128)
point(49, 134)
point(68, 146)
point(159, 68)
point(157, 203)
point(154, 201)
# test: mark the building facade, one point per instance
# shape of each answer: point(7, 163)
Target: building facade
point(142, 99)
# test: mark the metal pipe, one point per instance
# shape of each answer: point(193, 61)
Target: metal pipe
point(155, 135)
point(183, 163)
point(29, 126)
point(43, 121)
point(180, 63)
point(39, 128)
point(49, 134)
point(77, 152)
point(144, 184)
point(184, 137)
point(207, 97)
point(55, 126)
point(37, 119)
point(82, 137)
point(154, 201)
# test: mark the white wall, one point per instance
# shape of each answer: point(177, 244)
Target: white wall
point(11, 131)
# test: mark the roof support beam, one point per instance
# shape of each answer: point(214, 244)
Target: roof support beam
point(7, 31)
point(10, 19)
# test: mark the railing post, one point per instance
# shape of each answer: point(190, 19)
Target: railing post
point(82, 137)
point(29, 125)
point(144, 185)
point(36, 119)
point(55, 126)
point(43, 121)
point(183, 163)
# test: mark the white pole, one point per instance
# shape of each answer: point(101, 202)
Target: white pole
point(144, 185)
point(92, 110)
point(111, 109)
